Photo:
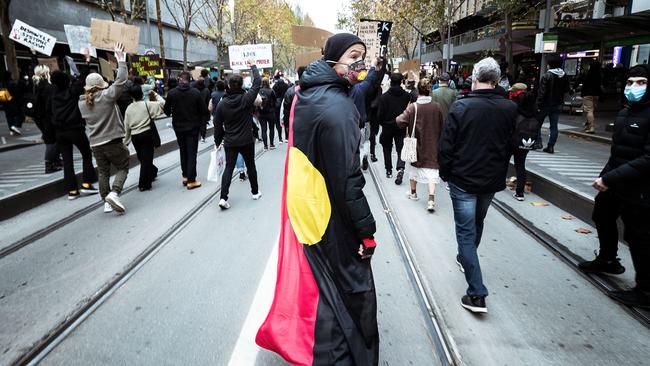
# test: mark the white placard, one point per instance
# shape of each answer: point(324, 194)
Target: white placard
point(262, 54)
point(78, 39)
point(32, 37)
point(368, 34)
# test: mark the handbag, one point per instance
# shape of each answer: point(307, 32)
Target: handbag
point(154, 129)
point(410, 150)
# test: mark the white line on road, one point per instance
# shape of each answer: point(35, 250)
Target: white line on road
point(245, 351)
point(4, 140)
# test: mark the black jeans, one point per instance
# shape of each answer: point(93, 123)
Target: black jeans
point(266, 123)
point(248, 153)
point(188, 144)
point(276, 123)
point(607, 209)
point(520, 168)
point(388, 135)
point(144, 147)
point(374, 130)
point(66, 139)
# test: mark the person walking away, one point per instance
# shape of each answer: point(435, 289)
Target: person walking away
point(473, 153)
point(391, 104)
point(444, 95)
point(325, 286)
point(233, 127)
point(372, 105)
point(425, 117)
point(13, 108)
point(43, 91)
point(624, 191)
point(286, 102)
point(206, 96)
point(280, 88)
point(137, 125)
point(188, 111)
point(590, 91)
point(550, 97)
point(69, 129)
point(525, 133)
point(266, 114)
point(106, 131)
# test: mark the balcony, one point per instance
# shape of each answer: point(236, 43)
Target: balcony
point(469, 42)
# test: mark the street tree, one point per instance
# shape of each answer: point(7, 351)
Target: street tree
point(184, 12)
point(10, 49)
point(119, 10)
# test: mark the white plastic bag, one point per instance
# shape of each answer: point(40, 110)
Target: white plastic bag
point(410, 148)
point(217, 164)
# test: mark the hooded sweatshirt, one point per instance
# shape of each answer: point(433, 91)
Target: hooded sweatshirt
point(233, 119)
point(187, 108)
point(552, 87)
point(103, 118)
point(391, 104)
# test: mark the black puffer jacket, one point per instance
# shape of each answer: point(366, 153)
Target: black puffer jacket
point(391, 104)
point(627, 172)
point(43, 92)
point(63, 107)
point(233, 122)
point(475, 148)
point(187, 108)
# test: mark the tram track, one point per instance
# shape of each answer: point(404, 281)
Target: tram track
point(39, 350)
point(41, 233)
point(602, 282)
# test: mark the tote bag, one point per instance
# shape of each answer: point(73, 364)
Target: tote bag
point(410, 149)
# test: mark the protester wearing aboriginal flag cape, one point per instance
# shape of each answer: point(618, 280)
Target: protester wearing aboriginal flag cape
point(325, 310)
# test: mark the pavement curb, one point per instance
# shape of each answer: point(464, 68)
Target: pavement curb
point(587, 136)
point(22, 201)
point(4, 148)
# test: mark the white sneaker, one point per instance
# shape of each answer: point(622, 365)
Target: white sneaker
point(431, 206)
point(16, 130)
point(412, 196)
point(113, 200)
point(257, 196)
point(224, 204)
point(107, 208)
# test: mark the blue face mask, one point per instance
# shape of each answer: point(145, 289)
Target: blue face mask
point(634, 93)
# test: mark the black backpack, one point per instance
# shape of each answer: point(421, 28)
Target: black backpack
point(525, 132)
point(267, 104)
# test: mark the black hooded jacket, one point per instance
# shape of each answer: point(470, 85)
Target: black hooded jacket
point(391, 104)
point(627, 172)
point(43, 92)
point(187, 108)
point(63, 106)
point(233, 120)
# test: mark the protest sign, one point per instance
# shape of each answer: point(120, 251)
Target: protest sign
point(375, 34)
point(106, 69)
point(410, 65)
point(112, 60)
point(79, 39)
point(73, 67)
point(304, 59)
point(51, 62)
point(196, 73)
point(146, 65)
point(262, 54)
point(309, 36)
point(105, 33)
point(32, 37)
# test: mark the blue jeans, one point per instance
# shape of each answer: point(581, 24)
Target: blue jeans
point(469, 214)
point(241, 167)
point(553, 113)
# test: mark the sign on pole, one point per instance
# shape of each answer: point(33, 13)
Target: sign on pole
point(375, 34)
point(105, 33)
point(262, 54)
point(79, 39)
point(32, 37)
point(146, 65)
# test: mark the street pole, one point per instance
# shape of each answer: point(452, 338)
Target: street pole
point(160, 36)
point(547, 27)
point(448, 36)
point(146, 13)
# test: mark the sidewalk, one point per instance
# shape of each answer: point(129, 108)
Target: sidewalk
point(575, 125)
point(31, 135)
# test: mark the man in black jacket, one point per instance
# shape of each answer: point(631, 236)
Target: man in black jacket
point(550, 97)
point(624, 191)
point(280, 88)
point(188, 111)
point(391, 104)
point(285, 110)
point(473, 154)
point(233, 126)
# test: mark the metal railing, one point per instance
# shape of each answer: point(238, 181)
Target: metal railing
point(489, 31)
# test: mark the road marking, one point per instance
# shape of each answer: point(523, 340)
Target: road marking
point(245, 351)
point(4, 140)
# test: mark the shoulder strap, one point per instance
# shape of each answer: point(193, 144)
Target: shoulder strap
point(147, 108)
point(415, 119)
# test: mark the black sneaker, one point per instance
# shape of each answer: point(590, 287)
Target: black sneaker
point(364, 164)
point(373, 158)
point(549, 150)
point(538, 145)
point(72, 195)
point(389, 173)
point(51, 167)
point(475, 304)
point(242, 176)
point(634, 297)
point(400, 177)
point(601, 265)
point(88, 189)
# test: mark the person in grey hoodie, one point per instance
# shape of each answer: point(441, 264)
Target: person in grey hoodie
point(550, 97)
point(105, 131)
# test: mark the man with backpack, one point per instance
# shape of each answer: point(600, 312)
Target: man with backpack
point(266, 108)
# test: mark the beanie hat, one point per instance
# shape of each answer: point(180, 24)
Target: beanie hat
point(444, 77)
point(337, 44)
point(518, 86)
point(94, 80)
point(638, 71)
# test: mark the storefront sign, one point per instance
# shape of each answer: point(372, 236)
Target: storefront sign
point(261, 54)
point(32, 37)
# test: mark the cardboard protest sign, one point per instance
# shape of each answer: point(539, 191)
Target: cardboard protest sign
point(196, 73)
point(410, 65)
point(309, 36)
point(32, 37)
point(112, 60)
point(73, 66)
point(375, 34)
point(304, 59)
point(262, 54)
point(79, 39)
point(106, 69)
point(51, 62)
point(105, 33)
point(146, 65)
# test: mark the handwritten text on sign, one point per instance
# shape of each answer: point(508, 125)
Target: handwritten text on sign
point(32, 37)
point(262, 54)
point(146, 65)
